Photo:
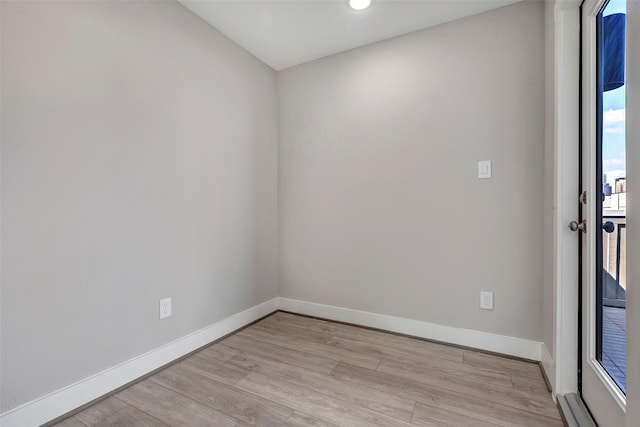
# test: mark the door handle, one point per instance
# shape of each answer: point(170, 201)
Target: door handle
point(609, 226)
point(575, 226)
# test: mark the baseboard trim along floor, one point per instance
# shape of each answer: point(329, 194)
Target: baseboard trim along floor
point(67, 399)
point(296, 370)
point(501, 344)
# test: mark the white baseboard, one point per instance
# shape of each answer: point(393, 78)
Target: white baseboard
point(60, 402)
point(549, 367)
point(466, 337)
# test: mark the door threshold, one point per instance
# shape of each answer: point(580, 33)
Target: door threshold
point(574, 412)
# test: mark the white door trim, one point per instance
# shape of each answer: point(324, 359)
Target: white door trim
point(564, 377)
point(633, 213)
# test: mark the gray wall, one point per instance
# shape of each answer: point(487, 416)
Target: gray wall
point(139, 161)
point(380, 206)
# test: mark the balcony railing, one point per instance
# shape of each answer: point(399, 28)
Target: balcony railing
point(614, 257)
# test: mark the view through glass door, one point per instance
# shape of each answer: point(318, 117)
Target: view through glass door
point(604, 211)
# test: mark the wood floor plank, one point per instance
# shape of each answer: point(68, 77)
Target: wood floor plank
point(283, 328)
point(298, 419)
point(213, 368)
point(502, 364)
point(429, 415)
point(472, 386)
point(365, 397)
point(219, 352)
point(171, 407)
point(101, 410)
point(323, 350)
point(129, 417)
point(424, 359)
point(70, 422)
point(292, 371)
point(461, 370)
point(408, 344)
point(502, 415)
point(251, 409)
point(293, 319)
point(529, 384)
point(275, 352)
point(456, 375)
point(336, 411)
point(277, 320)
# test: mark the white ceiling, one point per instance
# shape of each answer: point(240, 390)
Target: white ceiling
point(283, 33)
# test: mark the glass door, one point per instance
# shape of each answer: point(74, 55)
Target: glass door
point(603, 222)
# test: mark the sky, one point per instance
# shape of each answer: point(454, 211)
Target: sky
point(613, 103)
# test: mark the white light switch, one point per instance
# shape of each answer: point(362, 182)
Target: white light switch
point(484, 169)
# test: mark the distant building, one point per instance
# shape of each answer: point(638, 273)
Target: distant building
point(621, 185)
point(606, 187)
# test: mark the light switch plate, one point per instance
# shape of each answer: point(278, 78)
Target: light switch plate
point(484, 169)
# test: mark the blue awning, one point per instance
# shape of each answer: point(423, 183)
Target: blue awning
point(613, 51)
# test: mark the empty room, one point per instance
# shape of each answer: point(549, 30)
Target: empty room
point(319, 213)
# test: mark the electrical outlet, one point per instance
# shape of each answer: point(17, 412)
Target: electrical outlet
point(165, 308)
point(486, 300)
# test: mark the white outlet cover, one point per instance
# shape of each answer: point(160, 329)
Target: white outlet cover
point(486, 300)
point(484, 169)
point(165, 308)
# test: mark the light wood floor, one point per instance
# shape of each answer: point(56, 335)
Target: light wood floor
point(289, 370)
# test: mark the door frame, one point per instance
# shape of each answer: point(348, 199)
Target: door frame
point(563, 26)
point(560, 325)
point(598, 390)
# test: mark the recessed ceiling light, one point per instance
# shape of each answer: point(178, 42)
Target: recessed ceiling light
point(359, 4)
